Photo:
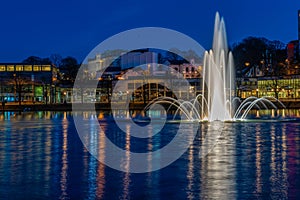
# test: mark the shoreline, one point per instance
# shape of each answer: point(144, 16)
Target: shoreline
point(66, 107)
point(98, 106)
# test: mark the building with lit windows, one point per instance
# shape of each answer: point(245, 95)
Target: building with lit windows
point(188, 70)
point(139, 57)
point(246, 87)
point(100, 62)
point(285, 87)
point(28, 83)
point(293, 51)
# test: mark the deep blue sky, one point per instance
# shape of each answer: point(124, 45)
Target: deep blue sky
point(73, 27)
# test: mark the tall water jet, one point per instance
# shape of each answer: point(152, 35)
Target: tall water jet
point(218, 77)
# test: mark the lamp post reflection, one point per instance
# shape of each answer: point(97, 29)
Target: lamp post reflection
point(278, 178)
point(126, 179)
point(258, 180)
point(190, 172)
point(101, 166)
point(96, 168)
point(64, 160)
point(153, 178)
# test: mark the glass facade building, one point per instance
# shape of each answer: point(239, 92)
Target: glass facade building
point(28, 83)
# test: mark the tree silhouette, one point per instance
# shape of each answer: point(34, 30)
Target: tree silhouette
point(253, 52)
point(56, 59)
point(19, 84)
point(69, 67)
point(34, 60)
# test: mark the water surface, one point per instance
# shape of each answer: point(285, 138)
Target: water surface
point(42, 157)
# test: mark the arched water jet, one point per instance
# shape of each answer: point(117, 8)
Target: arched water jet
point(254, 103)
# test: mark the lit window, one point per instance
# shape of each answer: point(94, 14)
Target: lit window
point(27, 67)
point(2, 68)
point(19, 67)
point(10, 68)
point(46, 68)
point(36, 68)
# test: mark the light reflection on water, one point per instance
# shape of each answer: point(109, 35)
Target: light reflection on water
point(64, 159)
point(272, 113)
point(42, 157)
point(218, 168)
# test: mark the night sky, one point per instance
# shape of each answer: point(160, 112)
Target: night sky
point(74, 28)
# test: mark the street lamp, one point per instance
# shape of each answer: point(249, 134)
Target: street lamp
point(65, 97)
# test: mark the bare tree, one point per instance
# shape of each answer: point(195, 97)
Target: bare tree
point(19, 83)
point(34, 60)
point(56, 59)
point(69, 67)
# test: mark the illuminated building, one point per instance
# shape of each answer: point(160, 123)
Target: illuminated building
point(285, 86)
point(31, 83)
point(99, 63)
point(293, 51)
point(189, 70)
point(137, 58)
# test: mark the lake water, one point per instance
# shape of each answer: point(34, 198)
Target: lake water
point(42, 157)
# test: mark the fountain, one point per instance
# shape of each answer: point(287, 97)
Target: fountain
point(216, 103)
point(218, 77)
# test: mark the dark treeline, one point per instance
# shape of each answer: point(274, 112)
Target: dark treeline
point(259, 52)
point(67, 66)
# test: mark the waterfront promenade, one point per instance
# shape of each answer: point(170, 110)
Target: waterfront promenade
point(29, 106)
point(62, 106)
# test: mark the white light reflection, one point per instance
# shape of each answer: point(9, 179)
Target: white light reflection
point(153, 177)
point(93, 143)
point(284, 160)
point(278, 178)
point(258, 180)
point(64, 160)
point(126, 179)
point(190, 172)
point(218, 168)
point(101, 166)
point(48, 157)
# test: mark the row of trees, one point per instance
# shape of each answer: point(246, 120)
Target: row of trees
point(254, 51)
point(260, 53)
point(67, 66)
